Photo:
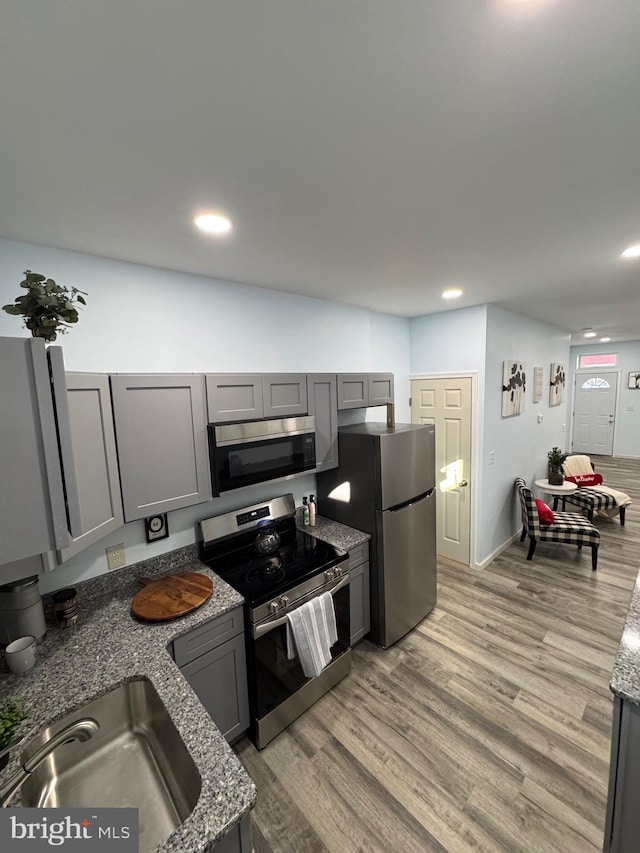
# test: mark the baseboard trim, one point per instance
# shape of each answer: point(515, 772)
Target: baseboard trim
point(484, 563)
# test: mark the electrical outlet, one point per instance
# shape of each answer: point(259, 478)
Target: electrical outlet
point(492, 457)
point(116, 557)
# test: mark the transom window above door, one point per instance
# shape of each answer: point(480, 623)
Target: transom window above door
point(598, 359)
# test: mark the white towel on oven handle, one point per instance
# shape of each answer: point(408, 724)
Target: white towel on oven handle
point(311, 631)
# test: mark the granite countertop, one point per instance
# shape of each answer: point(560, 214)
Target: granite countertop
point(108, 647)
point(625, 676)
point(333, 532)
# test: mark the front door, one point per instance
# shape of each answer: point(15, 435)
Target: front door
point(447, 404)
point(594, 406)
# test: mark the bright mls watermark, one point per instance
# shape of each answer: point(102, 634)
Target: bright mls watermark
point(69, 830)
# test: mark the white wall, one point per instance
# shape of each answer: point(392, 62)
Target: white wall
point(626, 441)
point(520, 443)
point(141, 319)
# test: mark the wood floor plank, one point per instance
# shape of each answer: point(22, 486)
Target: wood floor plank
point(485, 729)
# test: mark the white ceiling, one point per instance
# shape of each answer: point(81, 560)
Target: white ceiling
point(369, 151)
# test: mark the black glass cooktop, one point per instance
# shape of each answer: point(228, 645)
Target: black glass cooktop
point(260, 577)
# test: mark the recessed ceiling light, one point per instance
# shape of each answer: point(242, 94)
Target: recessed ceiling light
point(451, 293)
point(213, 223)
point(604, 340)
point(632, 251)
point(590, 334)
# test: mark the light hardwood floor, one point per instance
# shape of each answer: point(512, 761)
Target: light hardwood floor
point(486, 729)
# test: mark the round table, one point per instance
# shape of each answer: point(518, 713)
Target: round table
point(557, 491)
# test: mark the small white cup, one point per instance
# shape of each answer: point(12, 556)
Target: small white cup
point(21, 654)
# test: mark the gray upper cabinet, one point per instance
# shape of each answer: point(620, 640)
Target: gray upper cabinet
point(353, 390)
point(323, 405)
point(96, 464)
point(359, 390)
point(33, 512)
point(251, 397)
point(160, 424)
point(380, 389)
point(284, 395)
point(234, 397)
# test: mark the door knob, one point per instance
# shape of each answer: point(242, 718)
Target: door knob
point(462, 483)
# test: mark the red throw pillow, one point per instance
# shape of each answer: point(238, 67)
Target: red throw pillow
point(585, 479)
point(545, 513)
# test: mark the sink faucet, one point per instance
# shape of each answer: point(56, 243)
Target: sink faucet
point(80, 730)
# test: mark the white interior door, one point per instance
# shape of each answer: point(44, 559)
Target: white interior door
point(447, 404)
point(594, 405)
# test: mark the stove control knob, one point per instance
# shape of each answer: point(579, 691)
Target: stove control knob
point(329, 574)
point(274, 606)
point(284, 600)
point(337, 571)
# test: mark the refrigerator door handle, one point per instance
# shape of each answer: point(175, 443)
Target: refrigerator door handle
point(412, 502)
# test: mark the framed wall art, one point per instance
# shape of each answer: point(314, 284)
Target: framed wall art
point(556, 385)
point(537, 384)
point(513, 387)
point(634, 380)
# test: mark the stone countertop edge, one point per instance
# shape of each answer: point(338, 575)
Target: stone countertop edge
point(334, 532)
point(625, 676)
point(109, 647)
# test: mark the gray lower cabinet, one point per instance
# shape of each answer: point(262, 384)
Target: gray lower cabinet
point(622, 828)
point(237, 840)
point(253, 396)
point(359, 596)
point(33, 507)
point(160, 423)
point(359, 390)
point(96, 464)
point(215, 667)
point(322, 398)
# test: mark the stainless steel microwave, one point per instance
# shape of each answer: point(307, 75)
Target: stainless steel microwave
point(242, 454)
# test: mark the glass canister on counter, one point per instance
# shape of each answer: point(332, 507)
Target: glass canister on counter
point(65, 606)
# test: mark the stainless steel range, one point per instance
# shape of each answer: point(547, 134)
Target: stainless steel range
point(277, 568)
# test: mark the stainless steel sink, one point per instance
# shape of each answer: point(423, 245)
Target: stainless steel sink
point(135, 759)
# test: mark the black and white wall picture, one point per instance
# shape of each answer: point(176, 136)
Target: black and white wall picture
point(556, 385)
point(513, 387)
point(634, 380)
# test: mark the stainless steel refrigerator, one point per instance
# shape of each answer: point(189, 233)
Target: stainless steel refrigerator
point(385, 486)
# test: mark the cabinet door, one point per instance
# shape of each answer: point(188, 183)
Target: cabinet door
point(94, 449)
point(32, 507)
point(380, 388)
point(284, 395)
point(359, 601)
point(234, 397)
point(353, 390)
point(237, 840)
point(162, 442)
point(219, 679)
point(323, 405)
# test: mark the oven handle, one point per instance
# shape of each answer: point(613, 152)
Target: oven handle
point(263, 629)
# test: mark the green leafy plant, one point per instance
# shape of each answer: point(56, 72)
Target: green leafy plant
point(11, 715)
point(48, 308)
point(555, 459)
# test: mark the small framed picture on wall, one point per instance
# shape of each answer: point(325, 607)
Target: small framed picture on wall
point(634, 380)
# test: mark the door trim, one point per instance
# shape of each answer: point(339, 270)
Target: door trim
point(584, 371)
point(475, 492)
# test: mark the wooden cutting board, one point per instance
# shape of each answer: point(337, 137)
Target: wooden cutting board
point(171, 596)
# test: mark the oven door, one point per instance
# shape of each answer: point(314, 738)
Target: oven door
point(275, 678)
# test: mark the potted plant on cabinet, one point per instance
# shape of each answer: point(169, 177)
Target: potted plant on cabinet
point(11, 715)
point(48, 308)
point(556, 459)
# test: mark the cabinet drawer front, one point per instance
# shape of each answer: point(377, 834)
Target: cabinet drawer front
point(208, 636)
point(234, 397)
point(284, 394)
point(358, 555)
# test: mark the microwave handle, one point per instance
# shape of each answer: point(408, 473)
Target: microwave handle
point(261, 630)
